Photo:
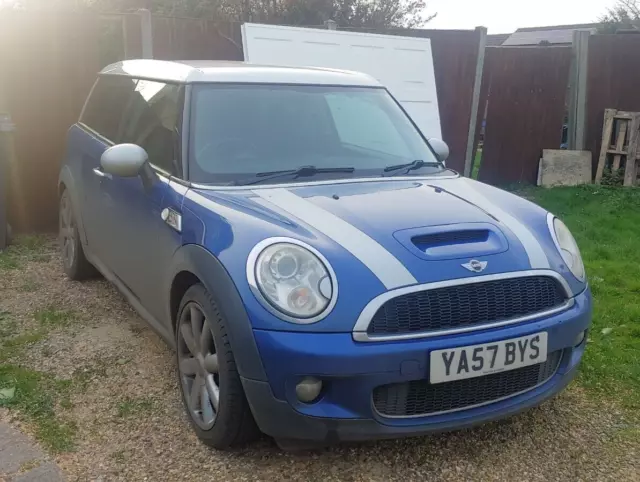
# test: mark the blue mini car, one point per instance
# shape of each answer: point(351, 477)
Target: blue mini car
point(320, 272)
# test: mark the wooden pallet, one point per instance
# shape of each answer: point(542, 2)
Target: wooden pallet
point(624, 127)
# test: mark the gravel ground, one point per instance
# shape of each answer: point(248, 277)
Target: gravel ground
point(131, 425)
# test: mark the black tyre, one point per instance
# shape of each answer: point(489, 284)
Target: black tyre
point(211, 388)
point(74, 261)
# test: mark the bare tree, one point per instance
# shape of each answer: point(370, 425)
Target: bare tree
point(347, 13)
point(625, 15)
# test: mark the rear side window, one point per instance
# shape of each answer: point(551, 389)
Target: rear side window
point(107, 104)
point(151, 122)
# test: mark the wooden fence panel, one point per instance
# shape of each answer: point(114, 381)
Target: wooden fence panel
point(613, 82)
point(49, 63)
point(194, 39)
point(455, 56)
point(525, 92)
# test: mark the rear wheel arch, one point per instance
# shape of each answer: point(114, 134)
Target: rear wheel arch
point(66, 183)
point(75, 263)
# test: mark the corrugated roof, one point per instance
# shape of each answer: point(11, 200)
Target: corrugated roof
point(576, 26)
point(495, 40)
point(561, 34)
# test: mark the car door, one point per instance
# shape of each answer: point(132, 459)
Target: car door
point(97, 131)
point(140, 241)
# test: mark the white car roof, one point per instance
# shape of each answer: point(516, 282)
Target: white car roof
point(217, 71)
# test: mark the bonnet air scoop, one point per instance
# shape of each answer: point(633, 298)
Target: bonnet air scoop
point(453, 241)
point(449, 238)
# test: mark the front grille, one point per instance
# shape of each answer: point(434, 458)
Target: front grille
point(419, 397)
point(467, 305)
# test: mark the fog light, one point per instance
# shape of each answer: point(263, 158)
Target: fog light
point(580, 338)
point(308, 389)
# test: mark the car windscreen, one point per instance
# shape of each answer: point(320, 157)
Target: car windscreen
point(242, 130)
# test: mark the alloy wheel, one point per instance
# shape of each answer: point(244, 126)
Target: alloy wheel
point(198, 365)
point(67, 231)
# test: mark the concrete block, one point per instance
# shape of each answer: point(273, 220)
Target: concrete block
point(48, 472)
point(564, 168)
point(16, 449)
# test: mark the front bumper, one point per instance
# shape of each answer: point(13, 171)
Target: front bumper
point(352, 370)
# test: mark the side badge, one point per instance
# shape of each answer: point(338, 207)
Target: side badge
point(172, 218)
point(475, 265)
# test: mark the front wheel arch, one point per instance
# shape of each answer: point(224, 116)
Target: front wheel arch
point(193, 262)
point(180, 285)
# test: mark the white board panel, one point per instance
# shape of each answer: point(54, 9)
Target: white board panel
point(403, 64)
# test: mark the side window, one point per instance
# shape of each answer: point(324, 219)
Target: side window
point(107, 104)
point(151, 122)
point(363, 124)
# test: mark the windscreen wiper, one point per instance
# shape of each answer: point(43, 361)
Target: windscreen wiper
point(410, 166)
point(304, 171)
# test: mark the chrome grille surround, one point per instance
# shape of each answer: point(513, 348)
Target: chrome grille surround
point(360, 331)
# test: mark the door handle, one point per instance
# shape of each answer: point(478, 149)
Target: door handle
point(100, 173)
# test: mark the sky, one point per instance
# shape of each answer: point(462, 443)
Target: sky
point(505, 16)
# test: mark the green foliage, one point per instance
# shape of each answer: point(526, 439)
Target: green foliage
point(475, 172)
point(134, 406)
point(11, 347)
point(611, 177)
point(25, 248)
point(35, 396)
point(53, 317)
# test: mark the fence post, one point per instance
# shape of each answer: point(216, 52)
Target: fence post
point(475, 101)
point(578, 91)
point(146, 31)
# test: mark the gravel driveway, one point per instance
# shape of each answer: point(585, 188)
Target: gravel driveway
point(130, 425)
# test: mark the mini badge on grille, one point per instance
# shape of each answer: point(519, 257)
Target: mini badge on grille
point(475, 265)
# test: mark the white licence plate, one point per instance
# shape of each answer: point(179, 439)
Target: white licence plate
point(478, 360)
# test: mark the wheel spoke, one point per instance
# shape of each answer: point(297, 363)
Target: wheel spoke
point(197, 320)
point(187, 336)
point(66, 233)
point(214, 391)
point(206, 338)
point(64, 212)
point(68, 251)
point(207, 409)
point(199, 374)
point(189, 366)
point(211, 363)
point(196, 388)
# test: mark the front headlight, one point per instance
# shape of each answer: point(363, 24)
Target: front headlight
point(293, 279)
point(567, 246)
